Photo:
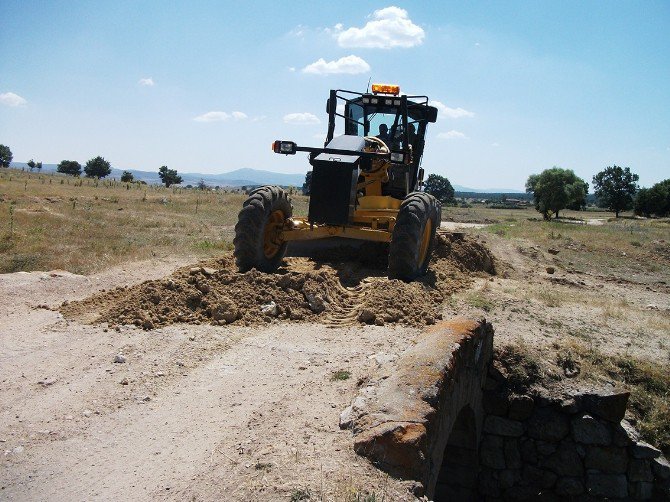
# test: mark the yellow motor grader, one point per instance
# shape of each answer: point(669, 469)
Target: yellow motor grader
point(365, 185)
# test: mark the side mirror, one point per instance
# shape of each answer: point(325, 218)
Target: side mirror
point(431, 114)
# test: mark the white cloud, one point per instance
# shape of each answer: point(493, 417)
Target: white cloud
point(11, 99)
point(452, 113)
point(350, 65)
point(220, 116)
point(146, 82)
point(301, 119)
point(452, 135)
point(212, 117)
point(390, 27)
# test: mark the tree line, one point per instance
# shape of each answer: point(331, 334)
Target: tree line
point(96, 167)
point(556, 189)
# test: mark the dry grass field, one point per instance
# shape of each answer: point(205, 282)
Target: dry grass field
point(52, 221)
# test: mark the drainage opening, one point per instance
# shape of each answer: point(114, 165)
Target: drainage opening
point(457, 479)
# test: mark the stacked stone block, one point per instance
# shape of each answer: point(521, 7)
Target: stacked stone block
point(564, 448)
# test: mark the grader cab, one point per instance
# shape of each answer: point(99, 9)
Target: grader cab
point(365, 185)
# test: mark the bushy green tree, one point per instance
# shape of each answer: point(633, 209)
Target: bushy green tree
point(127, 177)
point(440, 188)
point(615, 188)
point(5, 156)
point(97, 168)
point(556, 189)
point(654, 200)
point(71, 167)
point(38, 165)
point(31, 164)
point(169, 176)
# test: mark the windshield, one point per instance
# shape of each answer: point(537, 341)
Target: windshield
point(387, 126)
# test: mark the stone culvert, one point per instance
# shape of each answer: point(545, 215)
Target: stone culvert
point(444, 417)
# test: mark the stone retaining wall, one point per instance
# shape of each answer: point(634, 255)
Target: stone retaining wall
point(572, 447)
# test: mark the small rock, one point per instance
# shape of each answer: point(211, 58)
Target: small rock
point(640, 470)
point(203, 287)
point(347, 418)
point(569, 486)
point(548, 425)
point(119, 358)
point(194, 270)
point(607, 485)
point(503, 426)
point(609, 405)
point(644, 450)
point(316, 303)
point(366, 316)
point(512, 454)
point(495, 403)
point(491, 452)
point(607, 459)
point(520, 407)
point(641, 490)
point(208, 271)
point(225, 310)
point(87, 413)
point(124, 381)
point(587, 430)
point(553, 251)
point(565, 461)
point(160, 374)
point(661, 467)
point(550, 270)
point(270, 309)
point(46, 382)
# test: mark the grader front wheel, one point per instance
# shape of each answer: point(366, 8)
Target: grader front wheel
point(259, 225)
point(413, 236)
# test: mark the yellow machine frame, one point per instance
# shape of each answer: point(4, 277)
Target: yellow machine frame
point(373, 219)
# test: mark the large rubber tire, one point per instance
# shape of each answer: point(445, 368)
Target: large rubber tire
point(413, 238)
point(266, 207)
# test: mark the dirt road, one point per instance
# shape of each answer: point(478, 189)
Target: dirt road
point(194, 412)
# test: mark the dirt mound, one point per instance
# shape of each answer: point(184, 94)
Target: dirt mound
point(303, 289)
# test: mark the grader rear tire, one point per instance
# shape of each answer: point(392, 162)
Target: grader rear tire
point(257, 243)
point(413, 236)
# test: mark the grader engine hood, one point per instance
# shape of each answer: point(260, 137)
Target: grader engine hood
point(334, 177)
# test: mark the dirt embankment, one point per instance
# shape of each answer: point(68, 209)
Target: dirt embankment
point(337, 291)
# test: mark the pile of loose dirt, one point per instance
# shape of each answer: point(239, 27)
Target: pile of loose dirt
point(337, 291)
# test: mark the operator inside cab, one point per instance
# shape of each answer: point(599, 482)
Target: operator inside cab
point(384, 133)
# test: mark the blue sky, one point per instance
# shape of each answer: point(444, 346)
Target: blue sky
point(206, 86)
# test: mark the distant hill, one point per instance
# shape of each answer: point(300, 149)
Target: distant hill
point(247, 176)
point(237, 178)
point(461, 188)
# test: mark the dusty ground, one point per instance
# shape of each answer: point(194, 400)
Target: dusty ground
point(250, 412)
